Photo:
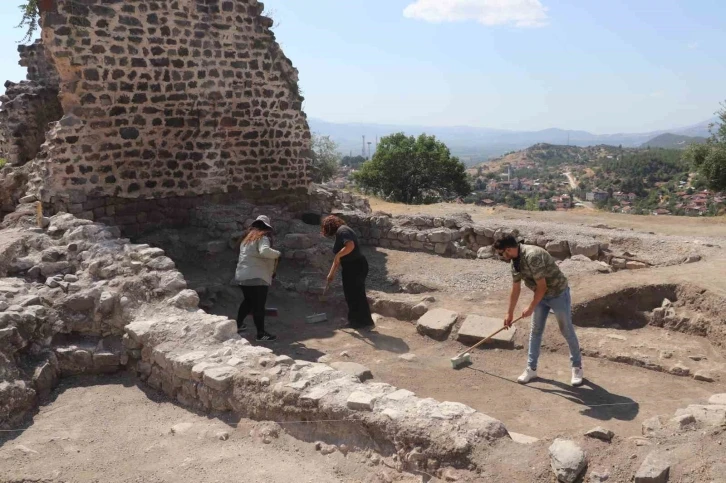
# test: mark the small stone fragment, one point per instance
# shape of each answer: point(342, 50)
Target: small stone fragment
point(600, 433)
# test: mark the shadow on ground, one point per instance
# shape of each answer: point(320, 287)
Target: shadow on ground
point(598, 403)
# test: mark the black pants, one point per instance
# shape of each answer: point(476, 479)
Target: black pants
point(354, 287)
point(254, 302)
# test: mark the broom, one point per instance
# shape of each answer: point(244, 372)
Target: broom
point(464, 358)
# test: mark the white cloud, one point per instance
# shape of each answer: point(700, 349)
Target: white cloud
point(657, 94)
point(521, 13)
point(693, 45)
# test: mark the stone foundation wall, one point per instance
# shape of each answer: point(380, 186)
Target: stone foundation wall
point(169, 99)
point(86, 301)
point(459, 237)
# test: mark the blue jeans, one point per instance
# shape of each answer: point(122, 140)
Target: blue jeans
point(562, 307)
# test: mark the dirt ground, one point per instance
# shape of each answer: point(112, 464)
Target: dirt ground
point(112, 430)
point(92, 430)
point(666, 225)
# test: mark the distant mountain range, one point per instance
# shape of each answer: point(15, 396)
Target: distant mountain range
point(474, 145)
point(673, 141)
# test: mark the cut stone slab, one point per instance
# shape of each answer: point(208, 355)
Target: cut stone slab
point(522, 438)
point(567, 460)
point(354, 369)
point(600, 433)
point(437, 323)
point(477, 327)
point(655, 469)
point(361, 401)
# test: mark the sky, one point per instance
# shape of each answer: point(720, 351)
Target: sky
point(604, 66)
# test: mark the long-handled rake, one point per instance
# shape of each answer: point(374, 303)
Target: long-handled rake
point(464, 358)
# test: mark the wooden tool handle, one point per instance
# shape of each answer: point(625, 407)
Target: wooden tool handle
point(488, 338)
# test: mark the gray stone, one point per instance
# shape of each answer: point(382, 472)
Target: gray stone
point(651, 426)
point(599, 475)
point(400, 395)
point(558, 248)
point(408, 357)
point(225, 330)
point(655, 469)
point(354, 369)
point(703, 376)
point(441, 248)
point(590, 249)
point(186, 299)
point(477, 327)
point(218, 378)
point(718, 399)
point(679, 370)
point(361, 401)
point(567, 460)
point(600, 433)
point(419, 310)
point(161, 264)
point(485, 252)
point(440, 236)
point(437, 323)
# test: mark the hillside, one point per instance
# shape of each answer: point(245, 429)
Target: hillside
point(543, 156)
point(477, 144)
point(673, 141)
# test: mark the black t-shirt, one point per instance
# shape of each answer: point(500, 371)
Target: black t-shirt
point(342, 236)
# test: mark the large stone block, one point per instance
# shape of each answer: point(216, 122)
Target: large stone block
point(478, 327)
point(437, 323)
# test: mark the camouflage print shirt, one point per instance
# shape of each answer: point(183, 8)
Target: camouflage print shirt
point(535, 263)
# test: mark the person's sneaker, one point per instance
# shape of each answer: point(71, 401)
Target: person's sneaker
point(577, 375)
point(266, 337)
point(241, 328)
point(527, 376)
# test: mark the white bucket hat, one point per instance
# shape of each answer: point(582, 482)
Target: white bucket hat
point(264, 220)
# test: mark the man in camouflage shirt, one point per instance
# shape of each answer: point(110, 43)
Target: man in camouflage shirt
point(540, 273)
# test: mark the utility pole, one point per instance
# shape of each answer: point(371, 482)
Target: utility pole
point(363, 149)
point(369, 150)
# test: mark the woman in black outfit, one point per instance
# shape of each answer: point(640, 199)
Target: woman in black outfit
point(348, 255)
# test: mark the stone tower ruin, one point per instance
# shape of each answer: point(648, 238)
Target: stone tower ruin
point(150, 101)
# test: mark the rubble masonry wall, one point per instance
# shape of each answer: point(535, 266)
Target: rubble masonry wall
point(184, 100)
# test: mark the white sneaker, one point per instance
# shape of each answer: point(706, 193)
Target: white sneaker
point(527, 376)
point(577, 375)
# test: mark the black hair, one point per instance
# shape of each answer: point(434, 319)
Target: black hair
point(506, 242)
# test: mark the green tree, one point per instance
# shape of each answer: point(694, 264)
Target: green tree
point(326, 158)
point(710, 158)
point(413, 170)
point(29, 21)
